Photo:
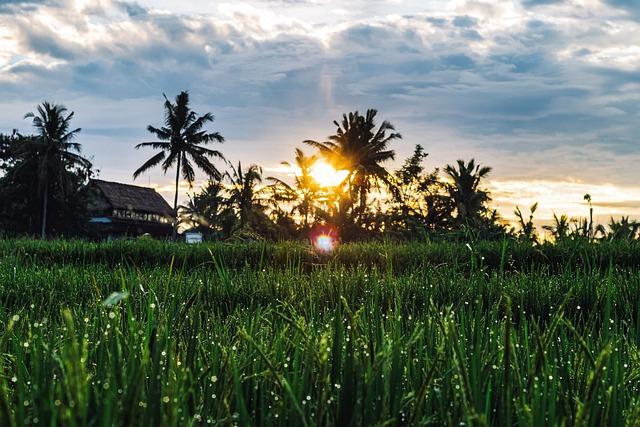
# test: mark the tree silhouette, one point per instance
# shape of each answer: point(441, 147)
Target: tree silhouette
point(360, 148)
point(305, 191)
point(181, 143)
point(560, 228)
point(52, 152)
point(469, 198)
point(619, 230)
point(527, 228)
point(208, 210)
point(243, 193)
point(418, 199)
point(590, 227)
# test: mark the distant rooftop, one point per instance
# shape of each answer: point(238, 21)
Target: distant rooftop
point(133, 198)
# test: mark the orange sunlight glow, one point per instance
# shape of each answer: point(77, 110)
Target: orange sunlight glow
point(326, 175)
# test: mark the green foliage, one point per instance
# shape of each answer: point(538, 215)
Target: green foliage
point(464, 190)
point(244, 194)
point(526, 229)
point(165, 343)
point(401, 258)
point(419, 200)
point(624, 229)
point(42, 187)
point(559, 230)
point(209, 212)
point(182, 143)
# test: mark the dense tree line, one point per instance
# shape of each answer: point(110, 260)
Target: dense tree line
point(43, 186)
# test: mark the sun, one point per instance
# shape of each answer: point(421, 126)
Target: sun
point(326, 175)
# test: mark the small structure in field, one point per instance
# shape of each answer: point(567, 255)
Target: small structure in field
point(192, 237)
point(127, 210)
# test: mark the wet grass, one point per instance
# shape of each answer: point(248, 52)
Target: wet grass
point(104, 341)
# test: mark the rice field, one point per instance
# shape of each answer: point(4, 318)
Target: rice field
point(149, 334)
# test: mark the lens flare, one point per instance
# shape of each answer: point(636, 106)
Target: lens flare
point(324, 239)
point(324, 243)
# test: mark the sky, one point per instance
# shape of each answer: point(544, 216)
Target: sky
point(547, 92)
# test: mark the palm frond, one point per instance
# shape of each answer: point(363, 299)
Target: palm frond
point(152, 162)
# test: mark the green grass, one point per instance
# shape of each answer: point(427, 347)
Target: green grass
point(508, 255)
point(117, 333)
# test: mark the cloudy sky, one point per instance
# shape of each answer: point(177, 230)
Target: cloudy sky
point(545, 91)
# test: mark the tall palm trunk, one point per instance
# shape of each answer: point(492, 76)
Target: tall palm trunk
point(45, 202)
point(591, 234)
point(174, 232)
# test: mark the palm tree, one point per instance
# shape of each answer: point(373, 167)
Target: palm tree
point(465, 190)
point(587, 198)
point(620, 230)
point(181, 142)
point(244, 191)
point(527, 228)
point(52, 151)
point(206, 210)
point(580, 228)
point(560, 228)
point(360, 148)
point(305, 190)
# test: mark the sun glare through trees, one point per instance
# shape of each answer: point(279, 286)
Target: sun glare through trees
point(326, 175)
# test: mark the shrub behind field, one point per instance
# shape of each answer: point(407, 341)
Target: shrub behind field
point(509, 254)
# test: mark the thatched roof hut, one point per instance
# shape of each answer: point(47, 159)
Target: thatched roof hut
point(125, 209)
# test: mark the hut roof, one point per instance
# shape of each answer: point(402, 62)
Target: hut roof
point(133, 197)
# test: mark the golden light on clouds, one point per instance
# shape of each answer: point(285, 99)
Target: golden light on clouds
point(564, 197)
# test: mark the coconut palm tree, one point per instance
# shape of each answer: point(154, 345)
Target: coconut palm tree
point(590, 228)
point(305, 191)
point(52, 152)
point(360, 148)
point(208, 210)
point(181, 142)
point(527, 228)
point(624, 229)
point(560, 228)
point(244, 192)
point(469, 198)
